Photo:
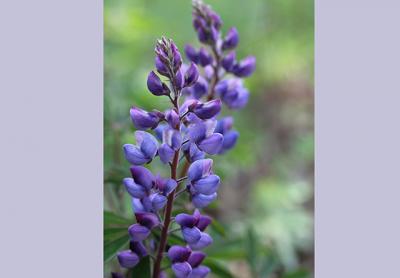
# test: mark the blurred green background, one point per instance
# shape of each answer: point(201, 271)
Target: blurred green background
point(265, 206)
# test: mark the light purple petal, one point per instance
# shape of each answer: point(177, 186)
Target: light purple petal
point(158, 201)
point(207, 185)
point(205, 240)
point(135, 190)
point(191, 235)
point(212, 144)
point(201, 200)
point(128, 259)
point(200, 272)
point(199, 168)
point(142, 176)
point(166, 153)
point(147, 142)
point(138, 232)
point(182, 270)
point(134, 155)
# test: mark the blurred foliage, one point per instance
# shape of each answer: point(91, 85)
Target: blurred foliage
point(265, 205)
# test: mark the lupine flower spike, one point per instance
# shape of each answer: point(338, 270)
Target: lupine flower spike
point(186, 133)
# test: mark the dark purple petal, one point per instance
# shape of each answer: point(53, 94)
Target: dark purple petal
point(200, 272)
point(191, 235)
point(214, 34)
point(201, 200)
point(208, 110)
point(203, 222)
point(185, 220)
point(138, 232)
point(245, 67)
point(181, 270)
point(178, 253)
point(135, 190)
point(199, 168)
point(142, 176)
point(229, 60)
point(155, 85)
point(207, 185)
point(205, 240)
point(191, 75)
point(143, 119)
point(205, 57)
point(212, 144)
point(160, 66)
point(128, 259)
point(177, 58)
point(173, 118)
point(202, 35)
point(191, 53)
point(138, 248)
point(158, 201)
point(196, 258)
point(147, 219)
point(166, 153)
point(231, 39)
point(179, 80)
point(134, 155)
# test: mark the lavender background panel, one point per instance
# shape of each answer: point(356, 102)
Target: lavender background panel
point(357, 139)
point(51, 122)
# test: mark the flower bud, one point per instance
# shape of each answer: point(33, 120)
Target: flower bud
point(142, 176)
point(177, 58)
point(143, 119)
point(179, 80)
point(191, 53)
point(155, 86)
point(182, 270)
point(201, 200)
point(138, 248)
point(127, 259)
point(138, 232)
point(229, 60)
point(231, 39)
point(147, 219)
point(208, 110)
point(160, 66)
point(191, 75)
point(135, 190)
point(212, 144)
point(185, 220)
point(205, 58)
point(245, 67)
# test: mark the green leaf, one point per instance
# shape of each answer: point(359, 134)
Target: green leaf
point(218, 269)
point(218, 227)
point(112, 220)
point(112, 247)
point(111, 234)
point(300, 273)
point(251, 250)
point(142, 269)
point(173, 239)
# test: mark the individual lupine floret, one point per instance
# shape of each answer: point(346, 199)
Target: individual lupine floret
point(187, 264)
point(172, 141)
point(229, 60)
point(202, 134)
point(192, 152)
point(143, 120)
point(144, 151)
point(231, 39)
point(203, 184)
point(245, 67)
point(198, 89)
point(205, 58)
point(198, 270)
point(156, 86)
point(224, 126)
point(146, 221)
point(130, 258)
point(232, 93)
point(192, 227)
point(191, 53)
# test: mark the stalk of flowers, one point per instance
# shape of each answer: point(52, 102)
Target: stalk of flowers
point(182, 137)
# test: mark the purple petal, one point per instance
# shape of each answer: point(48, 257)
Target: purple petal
point(173, 138)
point(199, 168)
point(205, 58)
point(147, 219)
point(128, 259)
point(196, 258)
point(158, 201)
point(207, 185)
point(201, 200)
point(138, 232)
point(155, 85)
point(231, 40)
point(229, 60)
point(147, 142)
point(185, 220)
point(191, 235)
point(178, 253)
point(195, 153)
point(230, 139)
point(179, 80)
point(181, 270)
point(138, 248)
point(200, 88)
point(224, 125)
point(199, 272)
point(169, 187)
point(208, 110)
point(172, 118)
point(161, 68)
point(212, 144)
point(134, 155)
point(137, 205)
point(203, 222)
point(205, 240)
point(135, 190)
point(191, 53)
point(245, 67)
point(143, 119)
point(166, 153)
point(142, 176)
point(191, 75)
point(197, 132)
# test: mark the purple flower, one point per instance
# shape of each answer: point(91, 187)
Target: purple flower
point(128, 259)
point(138, 248)
point(245, 67)
point(145, 120)
point(192, 227)
point(182, 270)
point(201, 133)
point(201, 200)
point(191, 75)
point(144, 151)
point(224, 126)
point(205, 58)
point(161, 67)
point(199, 272)
point(142, 176)
point(232, 93)
point(155, 86)
point(229, 60)
point(191, 53)
point(178, 253)
point(172, 141)
point(207, 110)
point(231, 40)
point(173, 118)
point(179, 80)
point(204, 241)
